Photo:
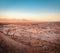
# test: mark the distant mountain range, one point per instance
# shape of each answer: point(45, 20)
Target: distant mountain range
point(3, 20)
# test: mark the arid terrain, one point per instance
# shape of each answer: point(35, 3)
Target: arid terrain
point(41, 37)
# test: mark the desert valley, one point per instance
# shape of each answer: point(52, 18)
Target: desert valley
point(30, 37)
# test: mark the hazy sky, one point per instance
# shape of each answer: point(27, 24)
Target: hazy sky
point(38, 10)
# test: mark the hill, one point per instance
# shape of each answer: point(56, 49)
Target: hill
point(8, 45)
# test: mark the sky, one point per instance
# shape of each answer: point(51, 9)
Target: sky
point(36, 10)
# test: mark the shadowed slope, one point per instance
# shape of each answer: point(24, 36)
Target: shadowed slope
point(10, 46)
